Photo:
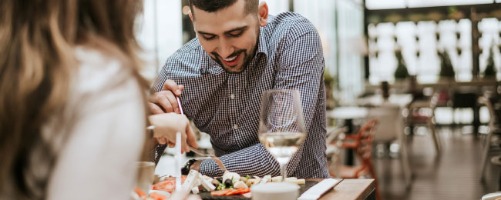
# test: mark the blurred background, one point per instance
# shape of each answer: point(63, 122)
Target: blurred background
point(439, 60)
point(360, 38)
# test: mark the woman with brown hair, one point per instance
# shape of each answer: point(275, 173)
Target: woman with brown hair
point(72, 103)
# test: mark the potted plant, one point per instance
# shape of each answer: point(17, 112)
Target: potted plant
point(490, 69)
point(330, 85)
point(446, 68)
point(401, 72)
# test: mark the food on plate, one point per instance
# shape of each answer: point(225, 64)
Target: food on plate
point(168, 185)
point(230, 183)
point(231, 176)
point(158, 195)
point(265, 179)
point(277, 179)
point(230, 191)
point(140, 193)
point(295, 180)
point(153, 195)
point(240, 185)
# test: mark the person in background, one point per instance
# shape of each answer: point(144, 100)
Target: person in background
point(73, 109)
point(385, 90)
point(239, 52)
point(415, 90)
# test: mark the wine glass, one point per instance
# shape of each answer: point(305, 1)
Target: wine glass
point(281, 124)
point(145, 175)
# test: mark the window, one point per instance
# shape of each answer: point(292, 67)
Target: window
point(392, 4)
point(159, 33)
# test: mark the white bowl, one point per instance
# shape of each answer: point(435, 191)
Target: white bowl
point(274, 191)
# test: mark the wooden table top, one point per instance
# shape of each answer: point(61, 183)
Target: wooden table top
point(347, 189)
point(351, 189)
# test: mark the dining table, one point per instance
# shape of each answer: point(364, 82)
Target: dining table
point(346, 189)
point(348, 114)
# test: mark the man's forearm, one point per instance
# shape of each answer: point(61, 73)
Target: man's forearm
point(254, 161)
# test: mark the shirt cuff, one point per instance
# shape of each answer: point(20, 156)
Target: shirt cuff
point(209, 168)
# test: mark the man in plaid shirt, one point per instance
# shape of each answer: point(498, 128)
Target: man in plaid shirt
point(240, 51)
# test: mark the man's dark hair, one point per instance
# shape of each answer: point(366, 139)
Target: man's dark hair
point(215, 5)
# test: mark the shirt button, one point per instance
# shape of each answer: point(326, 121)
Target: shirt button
point(235, 126)
point(232, 96)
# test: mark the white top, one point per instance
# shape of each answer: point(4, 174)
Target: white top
point(105, 124)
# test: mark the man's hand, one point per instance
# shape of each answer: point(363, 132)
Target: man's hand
point(165, 100)
point(166, 127)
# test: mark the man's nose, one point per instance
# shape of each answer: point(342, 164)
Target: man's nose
point(225, 48)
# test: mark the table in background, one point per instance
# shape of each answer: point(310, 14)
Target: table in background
point(376, 100)
point(348, 114)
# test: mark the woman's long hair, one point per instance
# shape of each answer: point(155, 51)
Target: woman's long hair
point(37, 40)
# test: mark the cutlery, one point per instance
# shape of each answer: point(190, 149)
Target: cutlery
point(179, 105)
point(212, 156)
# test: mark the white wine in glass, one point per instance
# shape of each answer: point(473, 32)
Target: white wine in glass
point(281, 124)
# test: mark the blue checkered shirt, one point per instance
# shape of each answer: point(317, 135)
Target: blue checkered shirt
point(226, 106)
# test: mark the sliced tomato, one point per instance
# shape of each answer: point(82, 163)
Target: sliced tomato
point(156, 196)
point(140, 192)
point(220, 192)
point(238, 191)
point(167, 185)
point(229, 192)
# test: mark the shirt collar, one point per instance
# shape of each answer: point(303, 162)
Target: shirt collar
point(261, 44)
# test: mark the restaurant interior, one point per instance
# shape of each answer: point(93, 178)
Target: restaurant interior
point(421, 77)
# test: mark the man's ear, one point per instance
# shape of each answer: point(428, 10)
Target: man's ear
point(191, 16)
point(263, 13)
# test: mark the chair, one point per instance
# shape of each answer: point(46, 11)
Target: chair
point(361, 143)
point(333, 135)
point(492, 142)
point(466, 100)
point(423, 113)
point(390, 129)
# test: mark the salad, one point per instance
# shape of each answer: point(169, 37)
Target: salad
point(230, 183)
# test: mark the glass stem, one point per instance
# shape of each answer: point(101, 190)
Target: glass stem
point(283, 171)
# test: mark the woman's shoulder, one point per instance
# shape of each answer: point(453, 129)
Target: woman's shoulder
point(93, 62)
point(97, 70)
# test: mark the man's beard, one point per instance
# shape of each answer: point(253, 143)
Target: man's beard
point(247, 60)
point(247, 57)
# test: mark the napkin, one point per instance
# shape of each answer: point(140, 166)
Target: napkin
point(319, 189)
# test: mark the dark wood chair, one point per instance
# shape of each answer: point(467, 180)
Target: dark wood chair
point(492, 143)
point(361, 143)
